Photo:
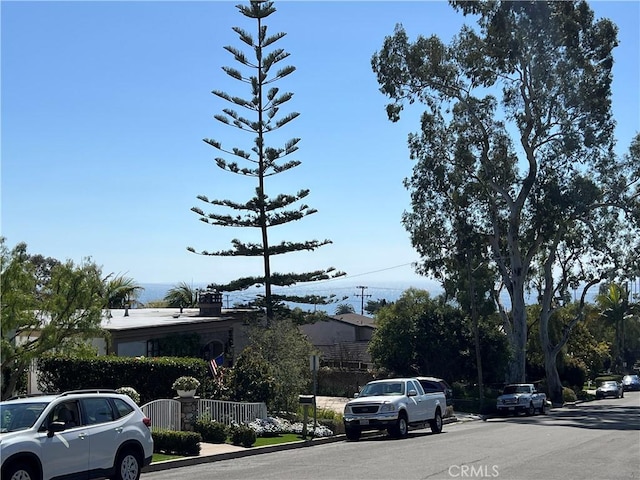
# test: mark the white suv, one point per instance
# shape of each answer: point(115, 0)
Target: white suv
point(83, 434)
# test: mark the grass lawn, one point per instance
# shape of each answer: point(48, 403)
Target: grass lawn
point(283, 438)
point(260, 442)
point(161, 457)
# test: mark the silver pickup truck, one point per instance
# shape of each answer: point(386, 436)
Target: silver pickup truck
point(394, 404)
point(521, 397)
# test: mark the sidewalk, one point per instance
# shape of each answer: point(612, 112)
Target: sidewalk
point(214, 452)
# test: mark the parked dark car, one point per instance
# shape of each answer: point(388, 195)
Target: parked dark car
point(630, 382)
point(610, 388)
point(433, 384)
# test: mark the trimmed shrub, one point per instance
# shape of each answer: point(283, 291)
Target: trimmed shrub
point(243, 435)
point(211, 431)
point(176, 443)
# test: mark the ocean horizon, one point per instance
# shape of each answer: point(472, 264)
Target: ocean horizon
point(352, 293)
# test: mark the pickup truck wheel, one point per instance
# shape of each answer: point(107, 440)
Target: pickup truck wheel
point(436, 423)
point(543, 408)
point(531, 410)
point(353, 434)
point(401, 428)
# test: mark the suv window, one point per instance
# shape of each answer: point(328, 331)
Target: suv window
point(122, 408)
point(97, 410)
point(64, 412)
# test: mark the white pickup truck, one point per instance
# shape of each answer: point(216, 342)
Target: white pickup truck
point(521, 397)
point(394, 404)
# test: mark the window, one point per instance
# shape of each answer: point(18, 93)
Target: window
point(97, 410)
point(153, 348)
point(65, 412)
point(430, 386)
point(123, 408)
point(417, 387)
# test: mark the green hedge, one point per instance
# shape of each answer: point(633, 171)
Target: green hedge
point(211, 431)
point(150, 377)
point(176, 443)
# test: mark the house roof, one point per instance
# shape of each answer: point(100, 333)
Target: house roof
point(155, 317)
point(355, 319)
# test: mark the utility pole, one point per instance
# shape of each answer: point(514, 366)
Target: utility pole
point(362, 295)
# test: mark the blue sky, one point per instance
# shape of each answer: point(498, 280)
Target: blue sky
point(105, 105)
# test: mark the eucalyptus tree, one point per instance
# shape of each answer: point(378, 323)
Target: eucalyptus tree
point(261, 212)
point(517, 132)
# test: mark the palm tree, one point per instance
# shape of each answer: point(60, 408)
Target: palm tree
point(121, 291)
point(344, 308)
point(614, 303)
point(182, 295)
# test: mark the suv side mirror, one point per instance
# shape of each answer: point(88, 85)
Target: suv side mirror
point(412, 393)
point(55, 427)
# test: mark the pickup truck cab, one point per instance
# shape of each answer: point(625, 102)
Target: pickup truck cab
point(394, 404)
point(521, 397)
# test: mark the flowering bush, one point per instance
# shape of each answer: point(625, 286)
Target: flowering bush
point(130, 392)
point(186, 383)
point(320, 431)
point(272, 426)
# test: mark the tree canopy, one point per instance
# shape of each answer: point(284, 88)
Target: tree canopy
point(517, 139)
point(41, 313)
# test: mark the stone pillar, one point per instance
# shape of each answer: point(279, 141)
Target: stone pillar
point(188, 412)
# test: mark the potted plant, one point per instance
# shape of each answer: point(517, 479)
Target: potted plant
point(186, 386)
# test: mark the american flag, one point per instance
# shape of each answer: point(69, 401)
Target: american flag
point(213, 364)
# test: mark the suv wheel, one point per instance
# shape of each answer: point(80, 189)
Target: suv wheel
point(127, 466)
point(19, 471)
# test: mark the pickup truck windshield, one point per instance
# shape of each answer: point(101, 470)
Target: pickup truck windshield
point(390, 388)
point(516, 389)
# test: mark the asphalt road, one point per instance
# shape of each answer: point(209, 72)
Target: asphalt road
point(595, 440)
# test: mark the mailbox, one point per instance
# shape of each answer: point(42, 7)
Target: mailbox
point(306, 399)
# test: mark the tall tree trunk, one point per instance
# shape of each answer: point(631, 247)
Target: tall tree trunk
point(518, 338)
point(553, 377)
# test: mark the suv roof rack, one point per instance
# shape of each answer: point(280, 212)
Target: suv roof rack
point(88, 391)
point(29, 395)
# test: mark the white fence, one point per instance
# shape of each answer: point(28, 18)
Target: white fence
point(228, 412)
point(164, 414)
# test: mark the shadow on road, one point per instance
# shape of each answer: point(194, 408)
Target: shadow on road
point(585, 415)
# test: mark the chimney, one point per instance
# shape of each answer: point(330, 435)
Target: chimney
point(210, 303)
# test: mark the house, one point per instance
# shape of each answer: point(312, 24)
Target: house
point(342, 340)
point(147, 332)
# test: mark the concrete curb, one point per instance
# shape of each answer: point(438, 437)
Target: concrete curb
point(184, 462)
point(189, 461)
